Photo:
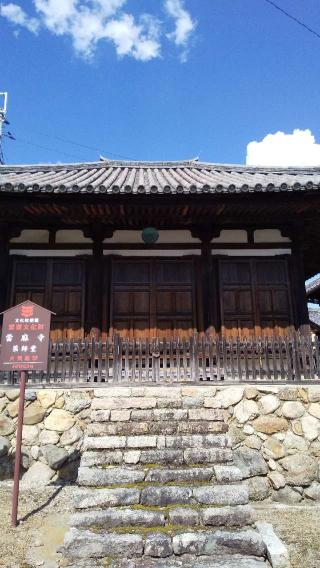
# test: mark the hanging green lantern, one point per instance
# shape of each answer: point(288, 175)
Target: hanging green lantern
point(150, 235)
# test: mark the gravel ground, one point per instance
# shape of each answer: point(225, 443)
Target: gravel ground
point(44, 516)
point(299, 528)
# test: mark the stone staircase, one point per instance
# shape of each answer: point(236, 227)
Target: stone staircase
point(158, 489)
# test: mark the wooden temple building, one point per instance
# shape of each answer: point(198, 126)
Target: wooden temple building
point(154, 250)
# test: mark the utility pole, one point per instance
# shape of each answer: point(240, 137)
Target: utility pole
point(3, 121)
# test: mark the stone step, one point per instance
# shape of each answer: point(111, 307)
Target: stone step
point(162, 496)
point(237, 516)
point(166, 456)
point(129, 428)
point(115, 517)
point(191, 474)
point(81, 543)
point(112, 475)
point(137, 408)
point(161, 441)
point(187, 561)
point(205, 494)
point(90, 498)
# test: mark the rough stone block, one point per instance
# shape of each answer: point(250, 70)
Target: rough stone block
point(221, 495)
point(59, 420)
point(4, 446)
point(197, 441)
point(184, 516)
point(94, 476)
point(170, 414)
point(142, 441)
point(270, 424)
point(113, 392)
point(250, 462)
point(120, 415)
point(46, 397)
point(162, 392)
point(158, 546)
point(172, 402)
point(112, 517)
point(230, 396)
point(205, 455)
point(236, 516)
point(100, 415)
point(258, 487)
point(293, 409)
point(227, 473)
point(189, 543)
point(123, 403)
point(91, 458)
point(7, 425)
point(191, 474)
point(205, 414)
point(276, 551)
point(38, 474)
point(34, 413)
point(300, 469)
point(241, 542)
point(198, 391)
point(54, 455)
point(142, 415)
point(132, 457)
point(86, 498)
point(173, 457)
point(104, 442)
point(86, 544)
point(163, 496)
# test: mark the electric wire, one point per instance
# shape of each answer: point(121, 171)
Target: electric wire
point(305, 26)
point(86, 146)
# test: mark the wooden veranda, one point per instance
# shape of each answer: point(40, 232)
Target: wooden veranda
point(196, 359)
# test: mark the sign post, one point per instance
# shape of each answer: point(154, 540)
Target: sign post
point(24, 347)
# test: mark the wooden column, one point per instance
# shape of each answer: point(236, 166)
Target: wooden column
point(298, 272)
point(95, 278)
point(209, 283)
point(6, 233)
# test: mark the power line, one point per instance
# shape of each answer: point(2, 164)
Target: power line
point(23, 141)
point(68, 141)
point(302, 24)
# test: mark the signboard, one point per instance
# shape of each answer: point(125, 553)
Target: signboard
point(25, 338)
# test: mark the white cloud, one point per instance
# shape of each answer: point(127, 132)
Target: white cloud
point(87, 22)
point(184, 24)
point(17, 16)
point(281, 149)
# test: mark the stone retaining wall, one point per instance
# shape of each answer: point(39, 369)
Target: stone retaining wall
point(275, 430)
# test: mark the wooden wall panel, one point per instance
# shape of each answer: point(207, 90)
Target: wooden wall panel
point(56, 284)
point(255, 297)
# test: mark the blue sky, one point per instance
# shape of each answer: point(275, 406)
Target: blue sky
point(200, 78)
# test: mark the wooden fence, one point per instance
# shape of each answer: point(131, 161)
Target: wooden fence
point(196, 359)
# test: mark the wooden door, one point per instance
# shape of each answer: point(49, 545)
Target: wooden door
point(152, 298)
point(66, 298)
point(56, 284)
point(255, 297)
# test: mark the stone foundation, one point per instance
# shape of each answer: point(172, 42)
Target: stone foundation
point(275, 430)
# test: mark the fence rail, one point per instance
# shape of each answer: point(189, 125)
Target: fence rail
point(195, 359)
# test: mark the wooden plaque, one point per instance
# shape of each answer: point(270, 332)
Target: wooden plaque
point(25, 338)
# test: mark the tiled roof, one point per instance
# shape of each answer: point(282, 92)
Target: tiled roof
point(313, 285)
point(156, 177)
point(314, 315)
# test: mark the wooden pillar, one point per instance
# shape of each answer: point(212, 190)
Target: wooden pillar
point(95, 278)
point(6, 233)
point(299, 289)
point(4, 270)
point(209, 283)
